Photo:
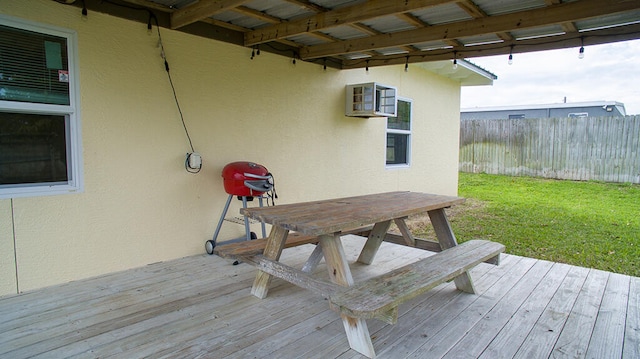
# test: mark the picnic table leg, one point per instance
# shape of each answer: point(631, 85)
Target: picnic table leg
point(313, 261)
point(376, 237)
point(339, 272)
point(447, 239)
point(409, 240)
point(272, 250)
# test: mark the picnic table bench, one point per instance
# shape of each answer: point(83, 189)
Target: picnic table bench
point(324, 222)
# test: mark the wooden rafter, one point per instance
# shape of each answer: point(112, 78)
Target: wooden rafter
point(308, 5)
point(413, 20)
point(341, 16)
point(471, 8)
point(201, 10)
point(569, 27)
point(257, 14)
point(556, 14)
point(477, 13)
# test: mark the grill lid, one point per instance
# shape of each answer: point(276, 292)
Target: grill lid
point(246, 179)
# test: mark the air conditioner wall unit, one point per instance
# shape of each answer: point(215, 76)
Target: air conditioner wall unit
point(371, 100)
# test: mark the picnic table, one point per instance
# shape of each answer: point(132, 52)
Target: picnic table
point(324, 222)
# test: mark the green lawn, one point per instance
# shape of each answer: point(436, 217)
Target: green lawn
point(590, 224)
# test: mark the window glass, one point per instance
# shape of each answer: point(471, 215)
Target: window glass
point(33, 148)
point(397, 148)
point(39, 124)
point(399, 135)
point(403, 121)
point(33, 67)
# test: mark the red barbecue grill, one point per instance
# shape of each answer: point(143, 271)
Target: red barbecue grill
point(245, 180)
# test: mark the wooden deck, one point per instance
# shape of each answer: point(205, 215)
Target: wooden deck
point(201, 307)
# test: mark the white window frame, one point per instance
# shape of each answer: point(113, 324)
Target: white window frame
point(75, 182)
point(403, 132)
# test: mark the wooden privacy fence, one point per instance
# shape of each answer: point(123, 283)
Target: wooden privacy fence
point(603, 149)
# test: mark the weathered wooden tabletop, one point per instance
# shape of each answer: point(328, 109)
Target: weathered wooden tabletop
point(335, 215)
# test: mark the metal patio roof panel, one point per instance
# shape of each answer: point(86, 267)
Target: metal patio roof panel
point(388, 24)
point(238, 19)
point(499, 7)
point(307, 40)
point(344, 32)
point(430, 30)
point(535, 32)
point(392, 51)
point(335, 4)
point(442, 14)
point(279, 8)
point(631, 17)
point(432, 45)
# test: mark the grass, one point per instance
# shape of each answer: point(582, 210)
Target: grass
point(589, 224)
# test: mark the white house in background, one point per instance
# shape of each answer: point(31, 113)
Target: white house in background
point(554, 110)
point(115, 193)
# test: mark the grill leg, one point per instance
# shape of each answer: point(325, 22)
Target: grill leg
point(224, 213)
point(247, 229)
point(264, 230)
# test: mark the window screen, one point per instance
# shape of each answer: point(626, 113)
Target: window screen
point(33, 67)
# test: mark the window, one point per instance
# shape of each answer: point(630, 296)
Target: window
point(39, 120)
point(399, 135)
point(579, 115)
point(518, 116)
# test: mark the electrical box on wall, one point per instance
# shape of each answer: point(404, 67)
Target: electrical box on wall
point(371, 100)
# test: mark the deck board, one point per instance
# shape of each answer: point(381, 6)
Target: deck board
point(631, 347)
point(201, 306)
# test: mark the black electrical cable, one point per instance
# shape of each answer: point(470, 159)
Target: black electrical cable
point(166, 66)
point(175, 96)
point(152, 16)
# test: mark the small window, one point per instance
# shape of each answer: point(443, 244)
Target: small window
point(39, 122)
point(579, 115)
point(518, 116)
point(399, 135)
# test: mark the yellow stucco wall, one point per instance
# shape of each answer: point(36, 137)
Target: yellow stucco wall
point(139, 204)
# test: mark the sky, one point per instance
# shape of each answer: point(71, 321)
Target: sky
point(609, 72)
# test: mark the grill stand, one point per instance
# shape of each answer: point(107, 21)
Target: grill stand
point(211, 244)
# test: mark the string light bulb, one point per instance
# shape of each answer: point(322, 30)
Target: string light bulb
point(84, 11)
point(406, 65)
point(366, 68)
point(581, 52)
point(510, 62)
point(455, 60)
point(149, 26)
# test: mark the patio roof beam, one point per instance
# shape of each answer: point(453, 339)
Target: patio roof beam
point(575, 39)
point(341, 16)
point(309, 5)
point(477, 13)
point(555, 14)
point(201, 10)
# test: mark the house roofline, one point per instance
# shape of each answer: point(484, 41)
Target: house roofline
point(466, 73)
point(620, 105)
